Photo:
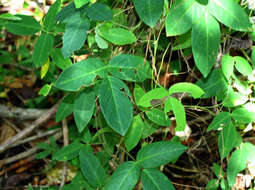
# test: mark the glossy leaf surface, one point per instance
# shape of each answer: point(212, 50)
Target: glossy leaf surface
point(172, 104)
point(42, 49)
point(228, 139)
point(83, 110)
point(75, 33)
point(238, 161)
point(92, 168)
point(152, 96)
point(65, 108)
point(27, 25)
point(149, 10)
point(243, 115)
point(159, 153)
point(153, 179)
point(194, 90)
point(227, 66)
point(114, 96)
point(230, 13)
point(179, 17)
point(159, 117)
point(221, 120)
point(205, 42)
point(129, 67)
point(99, 12)
point(117, 36)
point(134, 133)
point(124, 177)
point(81, 73)
point(68, 152)
point(50, 20)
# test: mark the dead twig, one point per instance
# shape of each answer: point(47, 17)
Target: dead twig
point(35, 137)
point(47, 115)
point(27, 153)
point(65, 136)
point(20, 113)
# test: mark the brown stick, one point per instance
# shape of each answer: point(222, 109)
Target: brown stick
point(20, 113)
point(47, 115)
point(65, 135)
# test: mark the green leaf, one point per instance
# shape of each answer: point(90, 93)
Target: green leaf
point(230, 13)
point(172, 104)
point(8, 16)
point(227, 66)
point(159, 117)
point(138, 93)
point(152, 96)
point(114, 95)
point(153, 179)
point(243, 66)
point(59, 60)
point(49, 20)
point(214, 85)
point(43, 154)
point(129, 67)
point(205, 43)
point(101, 43)
point(149, 11)
point(92, 169)
point(66, 12)
point(117, 36)
point(42, 49)
point(179, 17)
point(194, 90)
point(213, 184)
point(68, 152)
point(125, 177)
point(134, 133)
point(44, 91)
point(79, 3)
point(182, 42)
point(238, 161)
point(75, 33)
point(83, 110)
point(221, 120)
point(81, 74)
point(203, 2)
point(228, 139)
point(65, 108)
point(98, 12)
point(26, 26)
point(234, 98)
point(243, 115)
point(253, 55)
point(149, 128)
point(159, 153)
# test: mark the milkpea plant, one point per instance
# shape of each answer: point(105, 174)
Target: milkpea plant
point(113, 104)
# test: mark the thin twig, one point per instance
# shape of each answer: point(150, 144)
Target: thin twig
point(65, 136)
point(35, 137)
point(27, 153)
point(47, 115)
point(20, 113)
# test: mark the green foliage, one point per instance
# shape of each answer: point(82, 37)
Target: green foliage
point(154, 180)
point(116, 94)
point(149, 10)
point(125, 177)
point(159, 153)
